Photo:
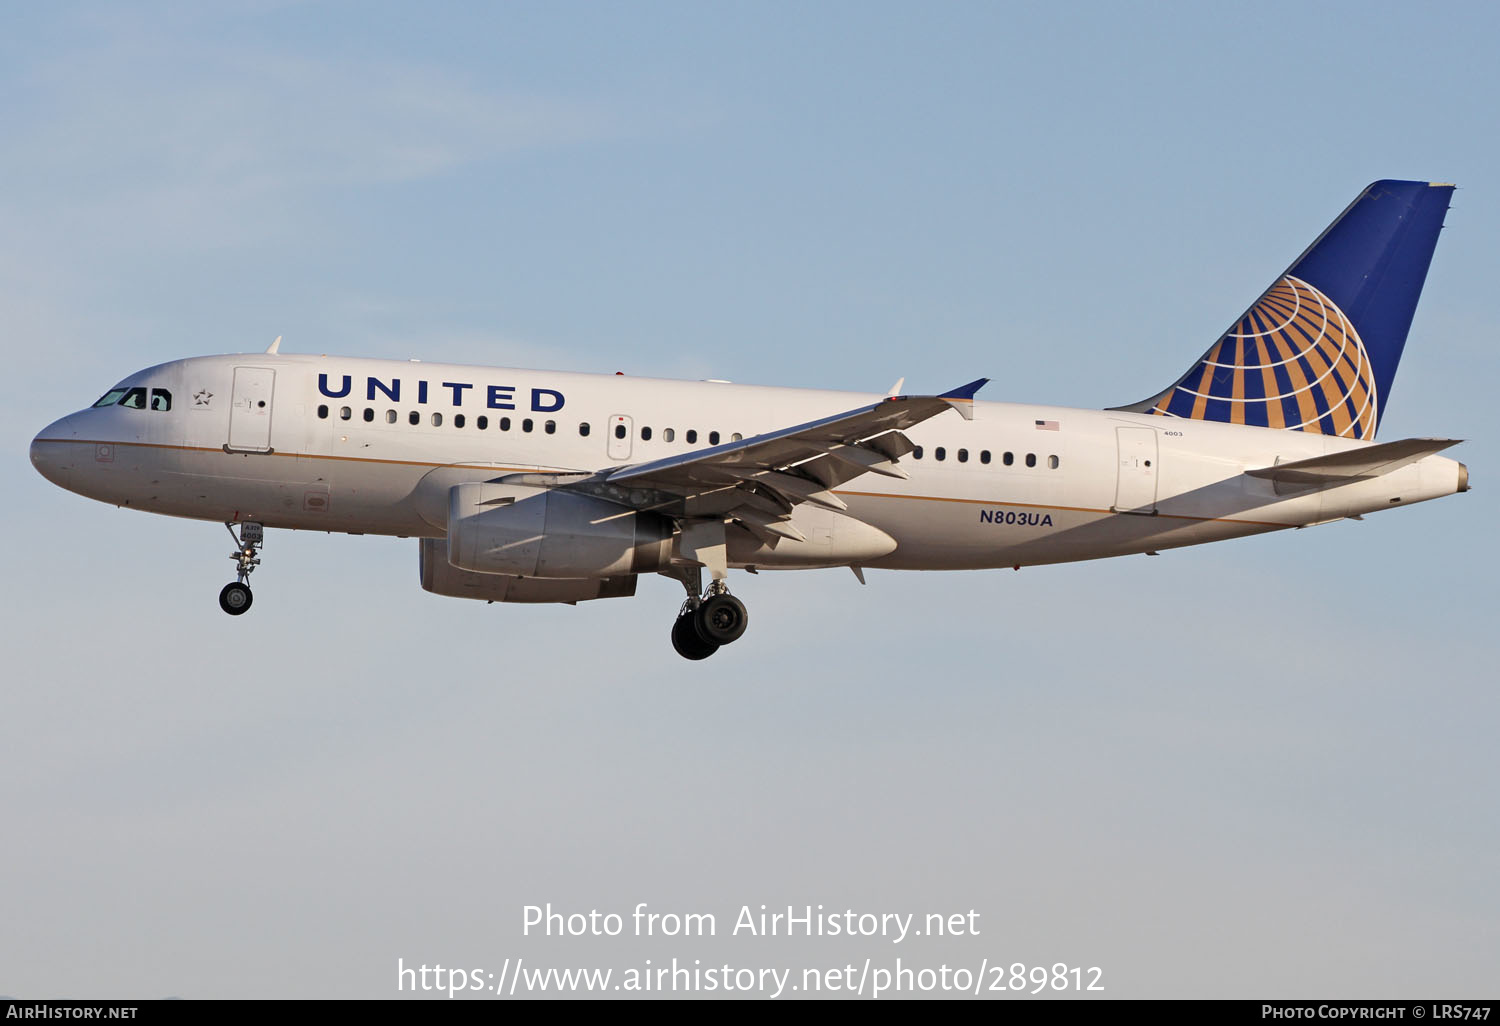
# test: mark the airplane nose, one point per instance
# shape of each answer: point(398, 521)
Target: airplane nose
point(39, 460)
point(48, 454)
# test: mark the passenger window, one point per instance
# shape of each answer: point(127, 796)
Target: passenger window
point(916, 453)
point(736, 437)
point(111, 397)
point(963, 455)
point(414, 418)
point(481, 422)
point(645, 434)
point(458, 420)
point(713, 438)
point(550, 427)
point(667, 434)
point(369, 415)
point(135, 399)
point(940, 454)
point(390, 417)
point(437, 420)
point(1031, 459)
point(504, 423)
point(322, 413)
point(692, 436)
point(345, 413)
point(526, 425)
point(619, 430)
point(1008, 458)
point(161, 401)
point(583, 429)
point(984, 456)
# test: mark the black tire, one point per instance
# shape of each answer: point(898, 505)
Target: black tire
point(688, 642)
point(721, 619)
point(235, 598)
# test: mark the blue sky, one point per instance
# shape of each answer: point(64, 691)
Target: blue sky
point(1260, 768)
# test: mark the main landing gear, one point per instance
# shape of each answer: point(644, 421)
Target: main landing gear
point(704, 624)
point(236, 597)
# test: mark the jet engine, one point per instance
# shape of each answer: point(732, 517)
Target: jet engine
point(527, 531)
point(442, 578)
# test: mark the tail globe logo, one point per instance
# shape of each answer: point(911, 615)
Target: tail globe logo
point(1293, 361)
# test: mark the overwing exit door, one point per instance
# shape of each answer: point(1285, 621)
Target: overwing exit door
point(619, 437)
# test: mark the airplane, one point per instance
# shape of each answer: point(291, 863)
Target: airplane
point(540, 486)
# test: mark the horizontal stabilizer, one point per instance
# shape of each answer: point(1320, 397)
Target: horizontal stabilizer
point(1353, 464)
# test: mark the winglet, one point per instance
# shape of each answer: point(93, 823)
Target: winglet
point(962, 397)
point(275, 345)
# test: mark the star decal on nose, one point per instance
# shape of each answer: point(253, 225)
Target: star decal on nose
point(201, 397)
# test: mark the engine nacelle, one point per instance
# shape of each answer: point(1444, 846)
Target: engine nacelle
point(442, 578)
point(542, 532)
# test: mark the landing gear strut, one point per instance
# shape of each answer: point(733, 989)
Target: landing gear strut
point(236, 597)
point(706, 623)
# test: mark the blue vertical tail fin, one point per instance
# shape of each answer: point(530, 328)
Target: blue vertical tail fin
point(1318, 350)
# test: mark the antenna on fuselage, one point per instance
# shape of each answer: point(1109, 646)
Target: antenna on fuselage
point(275, 345)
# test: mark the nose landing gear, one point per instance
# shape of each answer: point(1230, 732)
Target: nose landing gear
point(235, 598)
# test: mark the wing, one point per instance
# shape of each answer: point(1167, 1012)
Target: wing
point(758, 481)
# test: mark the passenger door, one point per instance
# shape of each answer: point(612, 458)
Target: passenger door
point(1135, 488)
point(250, 409)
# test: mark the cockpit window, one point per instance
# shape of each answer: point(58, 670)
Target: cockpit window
point(135, 398)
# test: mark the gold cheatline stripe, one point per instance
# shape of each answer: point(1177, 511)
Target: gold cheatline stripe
point(475, 466)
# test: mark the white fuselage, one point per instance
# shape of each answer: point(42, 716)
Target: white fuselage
point(373, 446)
